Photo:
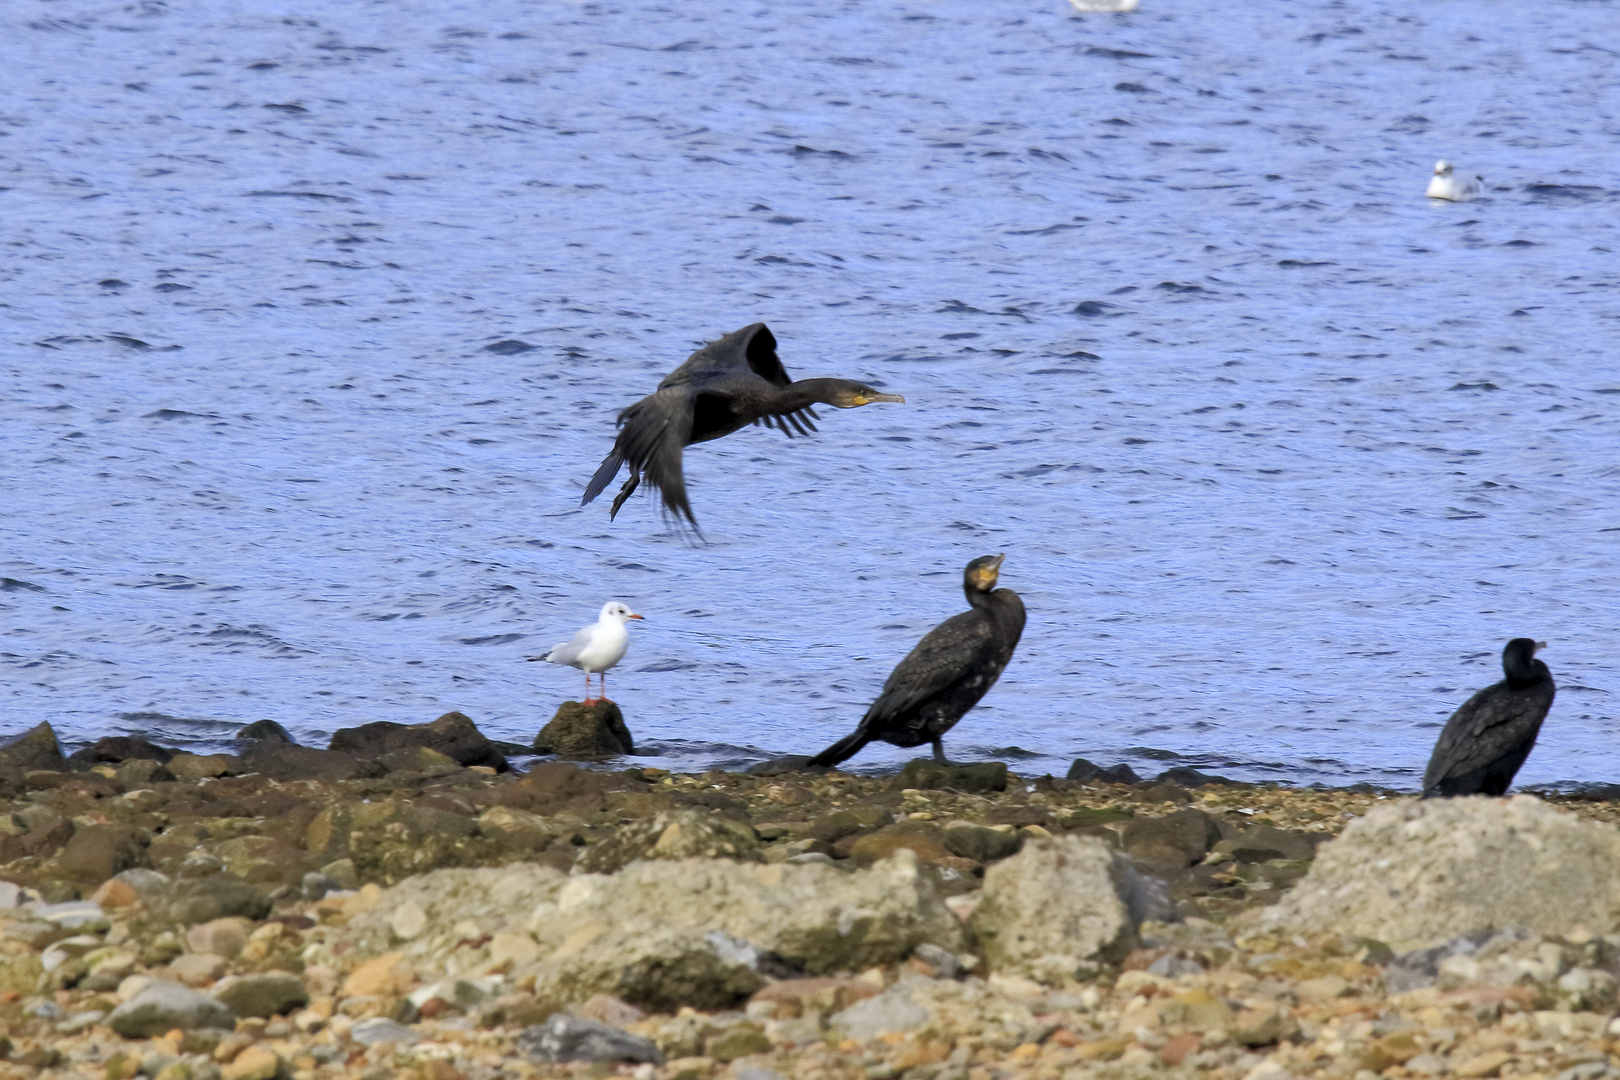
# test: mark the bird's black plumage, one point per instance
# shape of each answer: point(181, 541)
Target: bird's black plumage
point(1488, 738)
point(726, 385)
point(946, 674)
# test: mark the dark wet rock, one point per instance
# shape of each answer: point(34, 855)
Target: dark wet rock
point(203, 766)
point(833, 827)
point(269, 993)
point(392, 840)
point(265, 860)
point(35, 748)
point(679, 834)
point(931, 775)
point(781, 766)
point(423, 761)
point(142, 773)
point(286, 761)
point(1165, 792)
point(1189, 777)
point(982, 844)
point(1175, 840)
point(585, 731)
point(574, 1038)
point(1089, 773)
point(1262, 843)
point(118, 748)
point(162, 1006)
point(98, 852)
point(551, 787)
point(265, 731)
point(452, 734)
point(197, 900)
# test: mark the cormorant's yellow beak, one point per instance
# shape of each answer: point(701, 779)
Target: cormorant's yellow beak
point(865, 399)
point(1539, 646)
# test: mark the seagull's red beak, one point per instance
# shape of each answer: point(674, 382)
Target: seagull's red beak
point(637, 616)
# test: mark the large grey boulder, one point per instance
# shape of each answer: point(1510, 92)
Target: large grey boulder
point(162, 1006)
point(813, 916)
point(1058, 908)
point(660, 934)
point(1416, 874)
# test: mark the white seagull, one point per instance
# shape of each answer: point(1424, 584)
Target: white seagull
point(1445, 185)
point(596, 647)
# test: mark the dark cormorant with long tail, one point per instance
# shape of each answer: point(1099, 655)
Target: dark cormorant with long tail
point(726, 385)
point(1488, 738)
point(946, 674)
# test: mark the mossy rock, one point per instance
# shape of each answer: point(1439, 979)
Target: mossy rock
point(931, 775)
point(585, 731)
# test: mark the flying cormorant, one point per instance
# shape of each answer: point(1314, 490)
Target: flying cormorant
point(722, 387)
point(1486, 740)
point(946, 674)
point(596, 647)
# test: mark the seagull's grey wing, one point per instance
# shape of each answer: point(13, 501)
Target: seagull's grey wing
point(568, 651)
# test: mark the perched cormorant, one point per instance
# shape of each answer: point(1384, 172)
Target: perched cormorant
point(946, 674)
point(1486, 740)
point(596, 647)
point(722, 387)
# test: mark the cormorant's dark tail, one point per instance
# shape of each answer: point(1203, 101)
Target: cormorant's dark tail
point(605, 473)
point(843, 749)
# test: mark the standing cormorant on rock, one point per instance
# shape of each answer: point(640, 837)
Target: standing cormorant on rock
point(946, 674)
point(726, 385)
point(1488, 738)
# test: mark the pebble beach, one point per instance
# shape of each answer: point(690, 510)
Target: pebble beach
point(199, 918)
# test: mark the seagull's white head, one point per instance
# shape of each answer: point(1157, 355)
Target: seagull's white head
point(613, 611)
point(1442, 168)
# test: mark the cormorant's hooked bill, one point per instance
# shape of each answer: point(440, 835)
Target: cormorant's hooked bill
point(946, 674)
point(726, 385)
point(1487, 739)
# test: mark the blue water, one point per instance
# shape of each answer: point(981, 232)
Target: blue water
point(1280, 452)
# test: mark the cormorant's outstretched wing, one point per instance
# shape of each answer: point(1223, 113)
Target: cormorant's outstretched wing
point(652, 436)
point(943, 656)
point(1486, 727)
point(753, 348)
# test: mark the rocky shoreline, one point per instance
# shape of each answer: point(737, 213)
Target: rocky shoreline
point(405, 904)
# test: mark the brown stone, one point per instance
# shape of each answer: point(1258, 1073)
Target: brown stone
point(114, 893)
point(799, 997)
point(389, 975)
point(199, 766)
point(925, 840)
point(98, 852)
point(585, 731)
point(1176, 1050)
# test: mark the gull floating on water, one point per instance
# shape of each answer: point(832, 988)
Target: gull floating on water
point(1447, 185)
point(596, 647)
point(1104, 5)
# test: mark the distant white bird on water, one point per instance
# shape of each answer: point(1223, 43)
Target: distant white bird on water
point(1447, 185)
point(1104, 5)
point(596, 647)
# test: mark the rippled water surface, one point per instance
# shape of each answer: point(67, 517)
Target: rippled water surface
point(1280, 451)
